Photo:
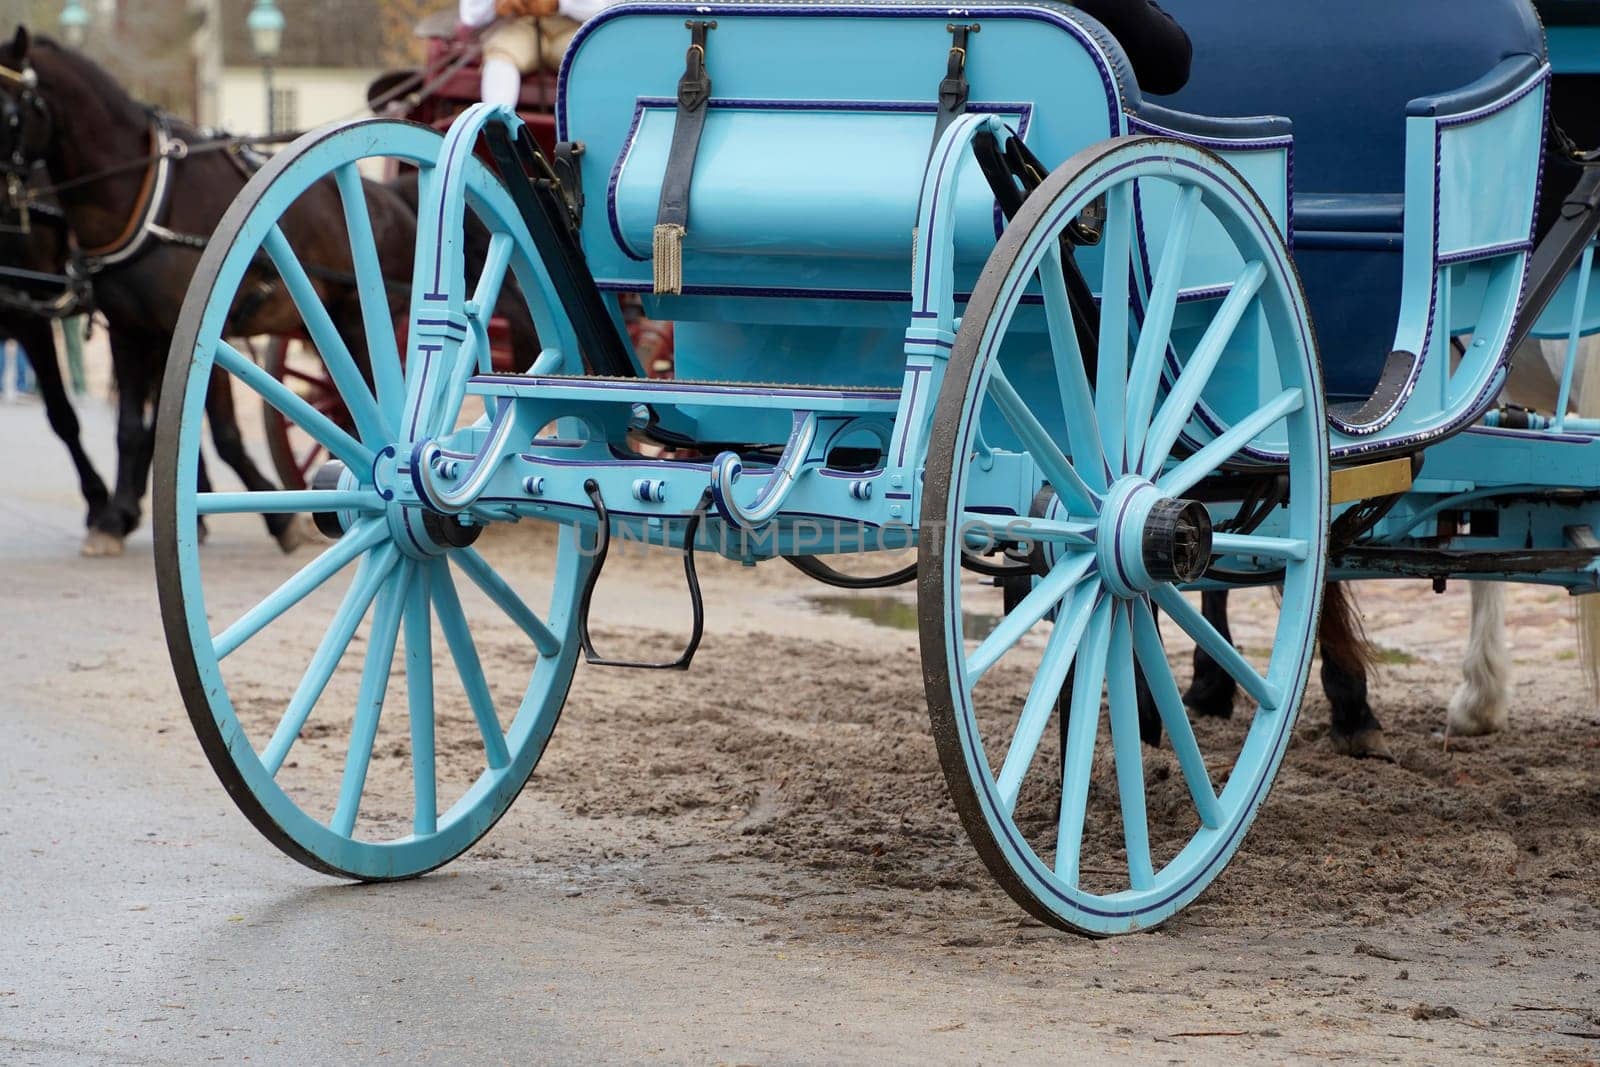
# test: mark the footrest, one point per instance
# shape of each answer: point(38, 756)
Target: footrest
point(847, 400)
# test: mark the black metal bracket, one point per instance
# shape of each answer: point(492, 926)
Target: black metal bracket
point(1013, 174)
point(603, 545)
point(537, 191)
point(1558, 253)
point(570, 174)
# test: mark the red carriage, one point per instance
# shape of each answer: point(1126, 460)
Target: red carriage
point(446, 85)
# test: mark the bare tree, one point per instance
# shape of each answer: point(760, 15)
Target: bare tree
point(399, 18)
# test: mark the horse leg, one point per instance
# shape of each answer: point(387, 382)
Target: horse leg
point(203, 483)
point(1149, 714)
point(1355, 730)
point(229, 443)
point(1481, 704)
point(135, 437)
point(1212, 690)
point(35, 335)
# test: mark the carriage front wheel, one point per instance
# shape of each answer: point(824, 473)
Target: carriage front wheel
point(1204, 381)
point(376, 710)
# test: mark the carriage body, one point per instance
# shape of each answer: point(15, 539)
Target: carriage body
point(1100, 386)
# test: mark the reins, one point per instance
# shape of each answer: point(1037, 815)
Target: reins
point(229, 143)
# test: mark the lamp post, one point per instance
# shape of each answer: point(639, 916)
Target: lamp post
point(265, 23)
point(74, 23)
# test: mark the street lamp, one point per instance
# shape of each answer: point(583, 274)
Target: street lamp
point(265, 23)
point(74, 23)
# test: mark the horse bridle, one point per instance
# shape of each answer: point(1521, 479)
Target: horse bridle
point(17, 166)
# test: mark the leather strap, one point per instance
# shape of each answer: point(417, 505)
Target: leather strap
point(672, 216)
point(141, 206)
point(953, 90)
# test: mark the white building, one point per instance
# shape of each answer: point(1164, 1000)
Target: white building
point(332, 50)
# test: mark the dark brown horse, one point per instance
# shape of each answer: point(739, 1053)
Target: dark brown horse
point(34, 290)
point(142, 221)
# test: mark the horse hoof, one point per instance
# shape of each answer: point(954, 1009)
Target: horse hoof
point(99, 543)
point(1212, 702)
point(1363, 744)
point(294, 534)
point(1472, 715)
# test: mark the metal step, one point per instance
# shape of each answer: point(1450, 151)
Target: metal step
point(770, 395)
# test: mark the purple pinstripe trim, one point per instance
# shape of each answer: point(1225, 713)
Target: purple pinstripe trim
point(911, 409)
point(1467, 118)
point(1116, 536)
point(933, 212)
point(427, 352)
point(888, 396)
point(884, 296)
point(1283, 267)
point(1023, 112)
point(616, 178)
point(1096, 48)
point(444, 189)
point(1486, 252)
point(1249, 144)
point(826, 472)
point(1472, 411)
point(388, 450)
point(897, 496)
point(957, 654)
point(1535, 435)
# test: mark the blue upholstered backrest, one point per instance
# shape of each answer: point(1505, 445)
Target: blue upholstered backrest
point(1344, 70)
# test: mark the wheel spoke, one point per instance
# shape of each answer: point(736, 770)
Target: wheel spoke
point(496, 589)
point(486, 294)
point(1111, 367)
point(998, 528)
point(1224, 544)
point(1019, 620)
point(354, 454)
point(1083, 725)
point(373, 289)
point(1055, 467)
point(419, 704)
point(1077, 400)
point(1045, 692)
point(320, 382)
point(1151, 354)
point(1186, 474)
point(369, 701)
point(369, 579)
point(1123, 698)
point(287, 502)
point(458, 635)
point(325, 336)
point(1216, 646)
point(1158, 674)
point(1196, 374)
point(314, 453)
point(300, 585)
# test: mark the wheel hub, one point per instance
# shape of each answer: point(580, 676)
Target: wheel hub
point(1146, 539)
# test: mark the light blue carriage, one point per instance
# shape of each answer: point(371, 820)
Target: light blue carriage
point(941, 276)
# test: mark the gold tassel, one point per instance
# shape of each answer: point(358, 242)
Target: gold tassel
point(668, 256)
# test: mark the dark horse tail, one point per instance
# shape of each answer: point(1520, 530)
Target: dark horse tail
point(1345, 646)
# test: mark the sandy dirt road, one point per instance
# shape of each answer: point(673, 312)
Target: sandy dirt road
point(756, 861)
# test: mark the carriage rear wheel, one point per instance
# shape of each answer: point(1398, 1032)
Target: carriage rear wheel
point(287, 685)
point(296, 454)
point(1191, 378)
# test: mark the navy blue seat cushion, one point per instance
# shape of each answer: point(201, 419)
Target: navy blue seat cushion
point(1343, 73)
